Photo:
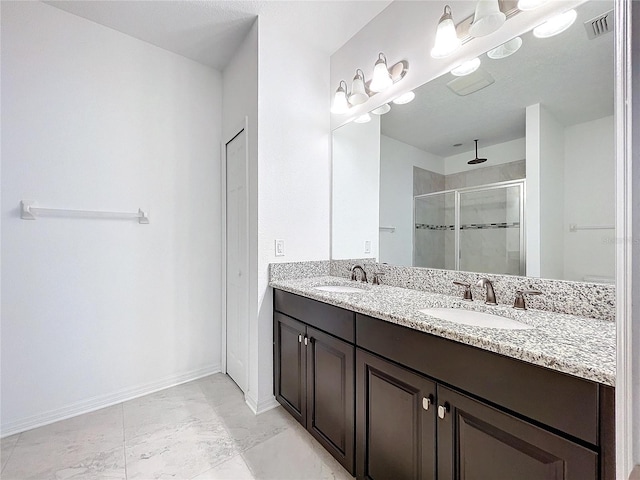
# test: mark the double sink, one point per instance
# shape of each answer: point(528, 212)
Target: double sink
point(460, 316)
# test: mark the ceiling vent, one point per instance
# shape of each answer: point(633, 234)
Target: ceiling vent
point(602, 24)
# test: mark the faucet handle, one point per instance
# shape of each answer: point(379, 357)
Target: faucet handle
point(518, 303)
point(376, 278)
point(467, 290)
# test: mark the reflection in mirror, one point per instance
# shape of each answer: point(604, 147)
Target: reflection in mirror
point(542, 204)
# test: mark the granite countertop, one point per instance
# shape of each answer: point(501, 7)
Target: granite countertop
point(583, 347)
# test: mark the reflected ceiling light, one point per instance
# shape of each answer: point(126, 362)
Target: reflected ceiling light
point(340, 103)
point(358, 91)
point(555, 25)
point(381, 79)
point(466, 68)
point(525, 5)
point(447, 40)
point(506, 49)
point(405, 98)
point(363, 118)
point(487, 19)
point(382, 109)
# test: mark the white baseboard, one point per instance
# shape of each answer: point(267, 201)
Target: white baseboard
point(102, 401)
point(262, 406)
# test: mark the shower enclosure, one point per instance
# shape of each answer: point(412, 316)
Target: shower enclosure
point(478, 229)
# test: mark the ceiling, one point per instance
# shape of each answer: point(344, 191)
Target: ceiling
point(570, 75)
point(210, 32)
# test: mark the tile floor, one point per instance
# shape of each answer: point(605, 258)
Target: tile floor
point(201, 430)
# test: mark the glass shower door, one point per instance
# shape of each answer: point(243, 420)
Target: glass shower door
point(490, 234)
point(434, 230)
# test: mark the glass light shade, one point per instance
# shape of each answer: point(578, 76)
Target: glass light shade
point(358, 92)
point(447, 40)
point(382, 109)
point(506, 49)
point(466, 68)
point(381, 79)
point(340, 104)
point(363, 118)
point(525, 5)
point(555, 25)
point(405, 98)
point(487, 19)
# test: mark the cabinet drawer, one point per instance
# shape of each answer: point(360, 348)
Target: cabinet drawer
point(561, 401)
point(330, 319)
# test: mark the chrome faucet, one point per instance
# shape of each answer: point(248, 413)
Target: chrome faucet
point(363, 277)
point(488, 286)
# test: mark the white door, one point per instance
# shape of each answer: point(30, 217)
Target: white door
point(237, 329)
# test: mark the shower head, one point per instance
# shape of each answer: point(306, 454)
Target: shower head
point(476, 160)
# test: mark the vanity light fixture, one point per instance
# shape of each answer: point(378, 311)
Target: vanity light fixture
point(506, 49)
point(405, 98)
point(382, 109)
point(366, 118)
point(358, 92)
point(340, 103)
point(526, 5)
point(487, 19)
point(447, 40)
point(555, 25)
point(381, 79)
point(466, 68)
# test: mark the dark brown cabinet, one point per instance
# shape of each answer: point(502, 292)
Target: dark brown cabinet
point(396, 422)
point(477, 442)
point(315, 382)
point(390, 402)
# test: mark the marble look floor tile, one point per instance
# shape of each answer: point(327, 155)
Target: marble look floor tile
point(219, 389)
point(247, 429)
point(154, 412)
point(6, 449)
point(295, 455)
point(25, 465)
point(181, 450)
point(235, 469)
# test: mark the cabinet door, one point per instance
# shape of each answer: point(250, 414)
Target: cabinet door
point(331, 395)
point(478, 442)
point(395, 421)
point(290, 366)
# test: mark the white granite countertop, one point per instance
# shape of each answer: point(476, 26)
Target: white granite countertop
point(583, 347)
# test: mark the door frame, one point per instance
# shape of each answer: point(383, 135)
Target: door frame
point(242, 127)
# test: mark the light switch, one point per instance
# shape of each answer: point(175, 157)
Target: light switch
point(367, 246)
point(279, 248)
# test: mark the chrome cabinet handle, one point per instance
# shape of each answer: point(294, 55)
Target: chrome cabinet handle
point(306, 340)
point(427, 401)
point(442, 410)
point(299, 338)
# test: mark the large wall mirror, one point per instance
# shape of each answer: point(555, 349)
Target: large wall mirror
point(543, 202)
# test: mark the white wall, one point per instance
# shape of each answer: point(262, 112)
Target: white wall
point(589, 161)
point(397, 160)
point(293, 173)
point(356, 190)
point(94, 311)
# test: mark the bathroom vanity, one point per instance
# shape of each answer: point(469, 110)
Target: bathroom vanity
point(393, 393)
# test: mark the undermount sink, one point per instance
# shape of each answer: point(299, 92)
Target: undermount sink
point(339, 289)
point(476, 319)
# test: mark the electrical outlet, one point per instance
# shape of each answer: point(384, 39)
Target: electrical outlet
point(279, 248)
point(367, 246)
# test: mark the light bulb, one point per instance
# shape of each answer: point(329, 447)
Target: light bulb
point(382, 109)
point(447, 40)
point(405, 98)
point(555, 25)
point(358, 92)
point(381, 79)
point(466, 68)
point(340, 103)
